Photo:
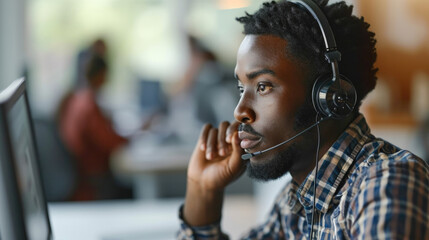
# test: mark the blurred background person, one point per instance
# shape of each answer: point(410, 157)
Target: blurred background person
point(203, 94)
point(90, 137)
point(96, 48)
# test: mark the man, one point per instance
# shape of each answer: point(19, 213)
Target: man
point(366, 188)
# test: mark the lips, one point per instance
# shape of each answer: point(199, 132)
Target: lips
point(248, 141)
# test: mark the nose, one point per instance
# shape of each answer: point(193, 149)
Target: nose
point(243, 112)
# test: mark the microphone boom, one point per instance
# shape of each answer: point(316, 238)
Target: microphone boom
point(247, 156)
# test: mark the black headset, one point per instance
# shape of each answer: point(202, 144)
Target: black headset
point(333, 95)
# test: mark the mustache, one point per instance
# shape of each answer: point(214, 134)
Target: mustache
point(247, 128)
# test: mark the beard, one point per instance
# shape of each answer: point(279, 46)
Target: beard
point(282, 161)
point(275, 167)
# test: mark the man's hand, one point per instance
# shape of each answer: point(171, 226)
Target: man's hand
point(216, 160)
point(215, 163)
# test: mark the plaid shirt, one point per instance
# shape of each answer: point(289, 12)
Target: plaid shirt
point(366, 189)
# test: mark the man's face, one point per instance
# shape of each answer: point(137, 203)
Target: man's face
point(273, 97)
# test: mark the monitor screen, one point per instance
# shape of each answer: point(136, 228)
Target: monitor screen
point(26, 171)
point(24, 164)
point(151, 96)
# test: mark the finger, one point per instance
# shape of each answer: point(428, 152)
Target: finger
point(203, 136)
point(198, 155)
point(231, 130)
point(236, 164)
point(211, 148)
point(221, 141)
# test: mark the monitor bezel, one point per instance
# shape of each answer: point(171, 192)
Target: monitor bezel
point(16, 229)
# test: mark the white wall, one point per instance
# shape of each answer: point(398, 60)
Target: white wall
point(12, 40)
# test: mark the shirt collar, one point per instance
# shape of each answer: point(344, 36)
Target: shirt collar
point(333, 167)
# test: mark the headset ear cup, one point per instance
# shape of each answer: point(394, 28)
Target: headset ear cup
point(336, 99)
point(318, 84)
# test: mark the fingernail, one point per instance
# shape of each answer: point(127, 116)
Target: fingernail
point(222, 152)
point(209, 155)
point(202, 147)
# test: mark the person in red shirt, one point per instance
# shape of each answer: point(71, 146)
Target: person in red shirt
point(89, 135)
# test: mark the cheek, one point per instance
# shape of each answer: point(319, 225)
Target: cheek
point(274, 117)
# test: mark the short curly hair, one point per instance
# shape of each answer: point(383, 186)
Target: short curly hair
point(305, 42)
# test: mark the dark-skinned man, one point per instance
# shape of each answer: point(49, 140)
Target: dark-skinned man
point(288, 76)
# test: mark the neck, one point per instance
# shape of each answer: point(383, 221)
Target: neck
point(330, 130)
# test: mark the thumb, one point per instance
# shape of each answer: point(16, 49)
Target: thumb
point(236, 163)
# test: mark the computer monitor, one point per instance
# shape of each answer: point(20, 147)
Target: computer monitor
point(23, 209)
point(151, 96)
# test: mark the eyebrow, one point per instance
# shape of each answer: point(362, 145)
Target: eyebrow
point(255, 74)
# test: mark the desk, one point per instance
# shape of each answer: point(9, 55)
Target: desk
point(143, 160)
point(138, 159)
point(158, 169)
point(139, 220)
point(157, 172)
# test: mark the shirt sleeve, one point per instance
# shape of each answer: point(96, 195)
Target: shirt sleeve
point(393, 201)
point(279, 216)
point(271, 229)
point(209, 232)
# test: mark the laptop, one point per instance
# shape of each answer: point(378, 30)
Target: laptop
point(23, 209)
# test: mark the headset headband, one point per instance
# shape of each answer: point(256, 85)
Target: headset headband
point(332, 55)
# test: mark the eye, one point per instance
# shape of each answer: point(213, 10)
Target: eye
point(264, 88)
point(240, 89)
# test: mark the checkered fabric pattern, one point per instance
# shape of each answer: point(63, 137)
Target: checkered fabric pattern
point(366, 188)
